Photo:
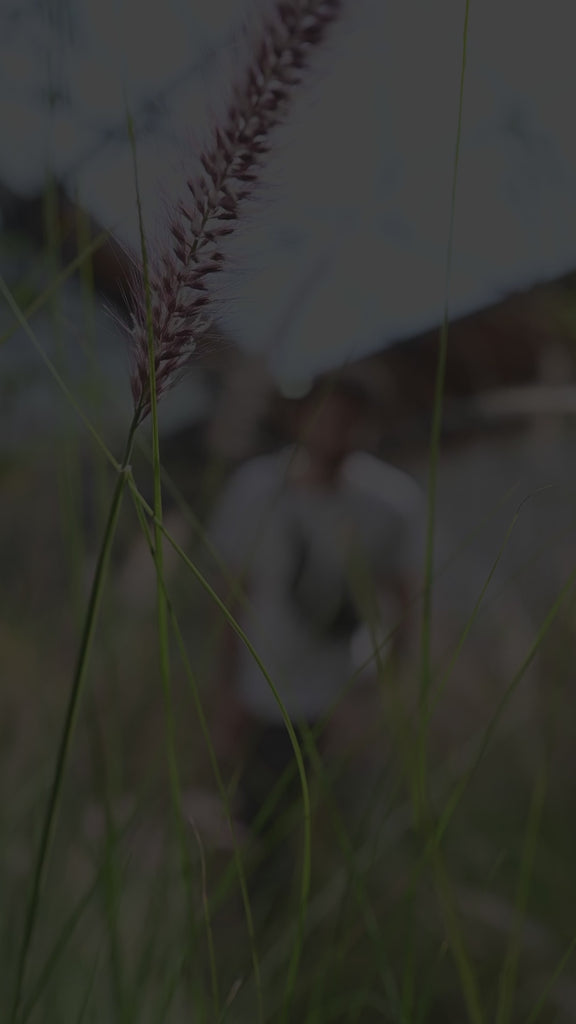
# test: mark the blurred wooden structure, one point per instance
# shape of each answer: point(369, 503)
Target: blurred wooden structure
point(509, 381)
point(497, 360)
point(506, 365)
point(74, 231)
point(498, 357)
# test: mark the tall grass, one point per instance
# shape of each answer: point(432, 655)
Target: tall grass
point(378, 929)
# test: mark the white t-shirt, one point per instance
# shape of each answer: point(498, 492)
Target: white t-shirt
point(312, 557)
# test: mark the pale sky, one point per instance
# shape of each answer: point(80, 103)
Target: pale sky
point(346, 252)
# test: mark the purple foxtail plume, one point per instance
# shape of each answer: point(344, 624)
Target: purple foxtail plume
point(179, 276)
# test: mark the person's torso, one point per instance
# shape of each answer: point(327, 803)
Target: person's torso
point(319, 555)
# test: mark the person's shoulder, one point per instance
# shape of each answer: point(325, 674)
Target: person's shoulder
point(384, 483)
point(258, 474)
point(236, 516)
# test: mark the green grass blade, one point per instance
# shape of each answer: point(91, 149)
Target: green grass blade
point(489, 732)
point(161, 605)
point(439, 393)
point(439, 690)
point(455, 940)
point(509, 973)
point(372, 925)
point(57, 377)
point(557, 972)
point(209, 932)
point(62, 941)
point(70, 717)
point(307, 846)
point(45, 296)
point(193, 684)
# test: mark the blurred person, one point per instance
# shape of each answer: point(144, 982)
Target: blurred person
point(322, 538)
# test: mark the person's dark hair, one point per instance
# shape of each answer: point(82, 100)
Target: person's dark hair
point(352, 390)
